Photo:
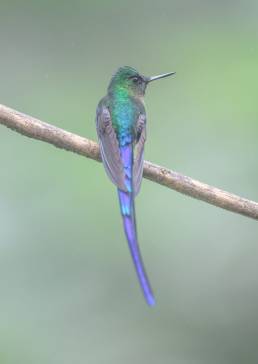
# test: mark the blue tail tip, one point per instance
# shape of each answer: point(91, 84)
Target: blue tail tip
point(151, 301)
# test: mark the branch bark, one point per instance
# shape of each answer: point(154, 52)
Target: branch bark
point(36, 129)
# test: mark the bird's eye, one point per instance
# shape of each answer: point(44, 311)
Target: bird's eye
point(135, 79)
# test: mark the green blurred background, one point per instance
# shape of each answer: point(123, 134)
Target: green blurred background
point(69, 293)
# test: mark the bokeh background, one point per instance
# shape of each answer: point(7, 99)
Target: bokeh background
point(69, 293)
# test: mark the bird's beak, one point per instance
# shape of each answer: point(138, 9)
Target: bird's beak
point(153, 78)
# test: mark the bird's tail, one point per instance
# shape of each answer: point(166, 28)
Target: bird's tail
point(126, 200)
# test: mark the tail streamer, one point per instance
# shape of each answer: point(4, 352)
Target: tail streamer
point(126, 200)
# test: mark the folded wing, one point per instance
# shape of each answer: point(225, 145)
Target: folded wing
point(109, 148)
point(139, 153)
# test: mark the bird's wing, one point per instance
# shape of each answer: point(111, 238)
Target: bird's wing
point(139, 151)
point(109, 148)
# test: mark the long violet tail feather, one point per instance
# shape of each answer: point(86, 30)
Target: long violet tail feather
point(126, 200)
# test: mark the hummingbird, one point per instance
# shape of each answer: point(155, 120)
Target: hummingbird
point(121, 130)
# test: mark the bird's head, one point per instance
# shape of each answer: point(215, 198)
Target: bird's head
point(128, 79)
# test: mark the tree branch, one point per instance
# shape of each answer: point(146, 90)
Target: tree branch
point(36, 129)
